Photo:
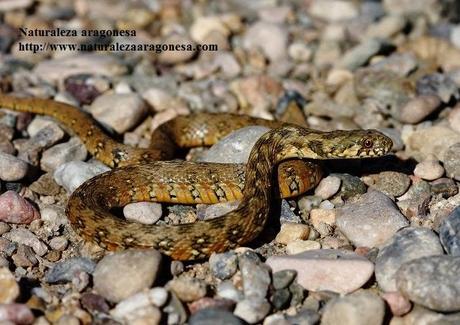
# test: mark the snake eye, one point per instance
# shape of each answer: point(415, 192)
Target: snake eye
point(368, 143)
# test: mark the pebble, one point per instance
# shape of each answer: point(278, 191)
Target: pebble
point(304, 317)
point(452, 161)
point(361, 307)
point(188, 289)
point(94, 303)
point(371, 220)
point(62, 153)
point(16, 314)
point(438, 84)
point(407, 244)
point(319, 217)
point(227, 290)
point(255, 275)
point(282, 279)
point(454, 118)
point(326, 269)
point(223, 265)
point(175, 57)
point(360, 54)
point(252, 311)
point(9, 288)
point(292, 232)
point(4, 227)
point(122, 274)
point(74, 173)
point(299, 246)
point(26, 237)
point(449, 233)
point(30, 149)
point(300, 52)
point(421, 315)
point(399, 305)
point(12, 168)
point(143, 212)
point(57, 70)
point(203, 26)
point(327, 187)
point(351, 186)
point(395, 136)
point(15, 209)
point(206, 211)
point(418, 108)
point(211, 316)
point(432, 282)
point(211, 303)
point(429, 169)
point(59, 243)
point(159, 99)
point(390, 183)
point(271, 38)
point(235, 147)
point(434, 140)
point(387, 27)
point(333, 10)
point(156, 296)
point(45, 185)
point(121, 112)
point(66, 271)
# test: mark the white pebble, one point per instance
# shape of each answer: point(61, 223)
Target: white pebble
point(429, 169)
point(143, 212)
point(74, 173)
point(328, 187)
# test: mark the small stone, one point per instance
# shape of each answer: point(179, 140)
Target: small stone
point(227, 290)
point(45, 185)
point(188, 289)
point(4, 228)
point(454, 118)
point(9, 288)
point(212, 303)
point(387, 27)
point(390, 183)
point(57, 70)
point(203, 26)
point(452, 161)
point(25, 257)
point(12, 168)
point(438, 84)
point(429, 169)
point(159, 99)
point(61, 153)
point(327, 187)
point(399, 305)
point(449, 233)
point(206, 211)
point(421, 315)
point(280, 299)
point(361, 307)
point(31, 149)
point(326, 269)
point(16, 314)
point(156, 296)
point(418, 108)
point(94, 303)
point(360, 54)
point(175, 57)
point(271, 38)
point(211, 316)
point(120, 111)
point(407, 244)
point(351, 186)
point(434, 140)
point(431, 281)
point(252, 310)
point(322, 216)
point(26, 237)
point(291, 232)
point(300, 52)
point(256, 277)
point(59, 243)
point(122, 274)
point(72, 174)
point(371, 220)
point(282, 279)
point(15, 209)
point(67, 270)
point(143, 212)
point(300, 246)
point(235, 147)
point(333, 10)
point(223, 265)
point(304, 317)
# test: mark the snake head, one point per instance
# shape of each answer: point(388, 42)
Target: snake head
point(358, 144)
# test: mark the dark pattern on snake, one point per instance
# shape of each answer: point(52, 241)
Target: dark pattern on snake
point(88, 206)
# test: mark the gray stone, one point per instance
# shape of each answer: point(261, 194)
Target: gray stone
point(360, 54)
point(252, 310)
point(256, 277)
point(449, 233)
point(223, 265)
point(406, 245)
point(210, 316)
point(66, 270)
point(361, 307)
point(12, 168)
point(61, 153)
point(371, 220)
point(74, 173)
point(452, 161)
point(431, 281)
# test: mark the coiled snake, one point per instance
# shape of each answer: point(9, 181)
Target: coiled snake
point(139, 176)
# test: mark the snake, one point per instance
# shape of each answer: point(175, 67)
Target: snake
point(143, 175)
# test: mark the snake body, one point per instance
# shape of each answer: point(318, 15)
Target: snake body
point(136, 179)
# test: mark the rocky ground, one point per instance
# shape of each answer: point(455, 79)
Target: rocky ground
point(377, 242)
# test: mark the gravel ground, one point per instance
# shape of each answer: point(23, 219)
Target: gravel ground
point(377, 242)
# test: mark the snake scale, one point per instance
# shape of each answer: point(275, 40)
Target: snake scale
point(140, 176)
